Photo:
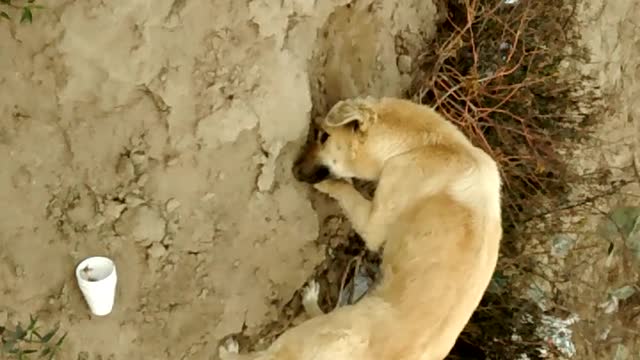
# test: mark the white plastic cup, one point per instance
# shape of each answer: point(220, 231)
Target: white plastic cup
point(97, 280)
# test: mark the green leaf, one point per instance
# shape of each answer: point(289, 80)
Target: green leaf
point(48, 352)
point(27, 16)
point(20, 333)
point(61, 340)
point(49, 335)
point(8, 346)
point(32, 322)
point(4, 15)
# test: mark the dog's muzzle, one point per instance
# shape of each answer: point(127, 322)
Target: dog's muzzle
point(307, 169)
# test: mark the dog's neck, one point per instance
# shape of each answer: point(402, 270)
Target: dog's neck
point(386, 147)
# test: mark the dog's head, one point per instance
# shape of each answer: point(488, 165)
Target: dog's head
point(338, 147)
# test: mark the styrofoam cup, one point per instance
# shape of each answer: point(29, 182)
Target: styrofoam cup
point(97, 280)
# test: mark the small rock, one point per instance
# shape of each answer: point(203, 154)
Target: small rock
point(143, 224)
point(19, 271)
point(156, 250)
point(173, 226)
point(142, 180)
point(208, 197)
point(404, 64)
point(140, 162)
point(114, 209)
point(334, 241)
point(54, 212)
point(174, 258)
point(172, 161)
point(124, 168)
point(133, 200)
point(167, 241)
point(168, 268)
point(98, 221)
point(171, 205)
point(138, 159)
point(236, 264)
point(203, 293)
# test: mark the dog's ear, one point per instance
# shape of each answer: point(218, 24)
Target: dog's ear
point(357, 113)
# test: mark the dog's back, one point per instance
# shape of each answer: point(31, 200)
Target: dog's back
point(442, 248)
point(434, 294)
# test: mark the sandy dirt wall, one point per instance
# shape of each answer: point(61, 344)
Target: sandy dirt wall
point(161, 133)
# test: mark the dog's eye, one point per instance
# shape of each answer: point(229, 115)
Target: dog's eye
point(323, 137)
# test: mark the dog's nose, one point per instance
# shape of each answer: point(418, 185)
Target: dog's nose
point(297, 169)
point(320, 173)
point(309, 173)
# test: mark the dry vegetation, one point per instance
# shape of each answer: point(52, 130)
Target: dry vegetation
point(495, 69)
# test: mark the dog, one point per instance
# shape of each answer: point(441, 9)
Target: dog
point(437, 213)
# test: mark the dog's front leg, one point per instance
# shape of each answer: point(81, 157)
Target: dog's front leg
point(356, 208)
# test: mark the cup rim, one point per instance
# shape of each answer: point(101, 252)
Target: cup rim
point(83, 261)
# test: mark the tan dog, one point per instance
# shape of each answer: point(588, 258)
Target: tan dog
point(436, 210)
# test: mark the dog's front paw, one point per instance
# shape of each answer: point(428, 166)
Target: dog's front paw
point(332, 187)
point(229, 349)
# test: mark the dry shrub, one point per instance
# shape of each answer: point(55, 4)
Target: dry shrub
point(496, 70)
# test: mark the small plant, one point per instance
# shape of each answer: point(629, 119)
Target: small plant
point(24, 8)
point(21, 343)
